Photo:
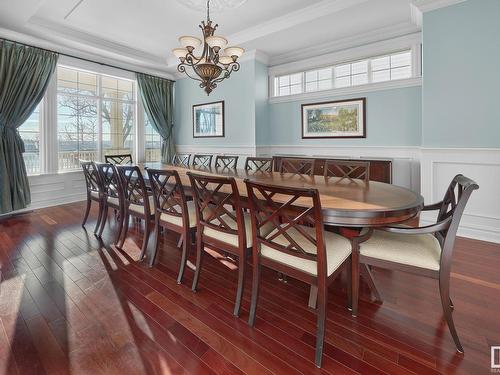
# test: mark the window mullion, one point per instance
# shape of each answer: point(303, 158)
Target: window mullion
point(100, 153)
point(49, 148)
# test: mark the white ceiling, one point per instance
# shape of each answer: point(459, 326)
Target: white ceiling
point(143, 32)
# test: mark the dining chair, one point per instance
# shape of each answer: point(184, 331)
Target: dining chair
point(138, 201)
point(202, 160)
point(226, 162)
point(306, 253)
point(119, 159)
point(347, 169)
point(113, 196)
point(181, 160)
point(425, 251)
point(94, 190)
point(172, 212)
point(297, 166)
point(259, 164)
point(219, 226)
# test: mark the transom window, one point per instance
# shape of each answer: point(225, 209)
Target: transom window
point(377, 69)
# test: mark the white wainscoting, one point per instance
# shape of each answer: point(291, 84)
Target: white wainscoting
point(55, 189)
point(481, 219)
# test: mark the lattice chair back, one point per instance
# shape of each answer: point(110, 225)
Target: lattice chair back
point(202, 160)
point(121, 159)
point(226, 162)
point(136, 192)
point(182, 160)
point(111, 181)
point(259, 164)
point(286, 211)
point(297, 166)
point(92, 180)
point(168, 194)
point(214, 199)
point(347, 169)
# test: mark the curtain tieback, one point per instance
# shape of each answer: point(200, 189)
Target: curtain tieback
point(11, 134)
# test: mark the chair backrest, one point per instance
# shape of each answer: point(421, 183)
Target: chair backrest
point(297, 166)
point(110, 180)
point(92, 179)
point(347, 169)
point(134, 187)
point(202, 160)
point(259, 164)
point(212, 196)
point(168, 194)
point(181, 160)
point(452, 208)
point(119, 159)
point(282, 211)
point(226, 162)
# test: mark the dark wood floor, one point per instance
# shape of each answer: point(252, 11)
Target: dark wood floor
point(71, 304)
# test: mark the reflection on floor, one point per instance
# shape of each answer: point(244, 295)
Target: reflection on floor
point(69, 303)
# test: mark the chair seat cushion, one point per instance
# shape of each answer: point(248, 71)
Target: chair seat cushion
point(114, 201)
point(137, 208)
point(177, 220)
point(232, 239)
point(418, 250)
point(337, 247)
point(95, 194)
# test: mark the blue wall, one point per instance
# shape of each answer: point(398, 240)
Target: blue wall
point(461, 68)
point(238, 94)
point(393, 118)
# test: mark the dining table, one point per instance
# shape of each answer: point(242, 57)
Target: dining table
point(345, 202)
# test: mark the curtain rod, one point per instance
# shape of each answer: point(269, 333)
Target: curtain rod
point(80, 58)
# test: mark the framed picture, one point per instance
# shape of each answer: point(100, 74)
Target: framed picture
point(339, 119)
point(208, 120)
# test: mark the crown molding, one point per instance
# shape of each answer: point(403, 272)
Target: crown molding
point(370, 37)
point(430, 5)
point(289, 20)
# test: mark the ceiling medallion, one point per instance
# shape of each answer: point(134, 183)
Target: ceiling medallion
point(215, 6)
point(216, 61)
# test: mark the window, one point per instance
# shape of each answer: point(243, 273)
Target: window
point(377, 69)
point(95, 116)
point(30, 134)
point(152, 142)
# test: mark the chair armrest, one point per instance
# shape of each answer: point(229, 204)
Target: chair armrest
point(442, 225)
point(432, 207)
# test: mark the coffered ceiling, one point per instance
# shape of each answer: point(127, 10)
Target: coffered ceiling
point(143, 32)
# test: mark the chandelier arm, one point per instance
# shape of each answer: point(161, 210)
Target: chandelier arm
point(181, 68)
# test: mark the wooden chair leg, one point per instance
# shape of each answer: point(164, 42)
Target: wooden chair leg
point(87, 210)
point(145, 240)
point(186, 245)
point(255, 293)
point(181, 241)
point(99, 217)
point(104, 219)
point(366, 273)
point(313, 296)
point(452, 306)
point(354, 282)
point(126, 223)
point(199, 255)
point(241, 283)
point(349, 284)
point(156, 241)
point(121, 220)
point(320, 333)
point(444, 290)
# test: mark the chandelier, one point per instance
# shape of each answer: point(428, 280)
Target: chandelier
point(216, 61)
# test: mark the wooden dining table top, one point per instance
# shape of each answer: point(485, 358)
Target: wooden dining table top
point(344, 201)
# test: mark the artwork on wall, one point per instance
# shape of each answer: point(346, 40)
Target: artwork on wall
point(338, 119)
point(208, 120)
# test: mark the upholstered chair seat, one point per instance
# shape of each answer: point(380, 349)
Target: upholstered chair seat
point(177, 220)
point(338, 249)
point(140, 208)
point(417, 250)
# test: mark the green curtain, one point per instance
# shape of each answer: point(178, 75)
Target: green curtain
point(24, 75)
point(158, 100)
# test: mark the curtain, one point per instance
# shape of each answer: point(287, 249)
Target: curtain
point(158, 100)
point(25, 73)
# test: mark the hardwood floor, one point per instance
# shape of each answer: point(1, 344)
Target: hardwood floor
point(70, 304)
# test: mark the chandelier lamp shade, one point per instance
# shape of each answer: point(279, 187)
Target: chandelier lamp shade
point(216, 61)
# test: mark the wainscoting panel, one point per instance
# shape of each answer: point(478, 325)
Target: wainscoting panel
point(481, 218)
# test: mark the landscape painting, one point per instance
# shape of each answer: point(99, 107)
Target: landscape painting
point(339, 119)
point(208, 120)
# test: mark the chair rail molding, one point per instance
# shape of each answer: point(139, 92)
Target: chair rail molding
point(481, 219)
